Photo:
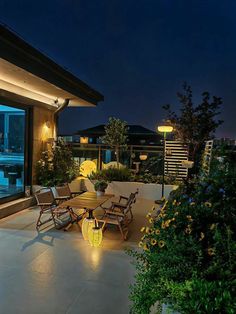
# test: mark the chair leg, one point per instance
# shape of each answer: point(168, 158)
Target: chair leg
point(121, 231)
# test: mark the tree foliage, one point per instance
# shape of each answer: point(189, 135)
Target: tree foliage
point(115, 135)
point(195, 123)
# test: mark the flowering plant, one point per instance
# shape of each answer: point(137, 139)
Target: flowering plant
point(187, 255)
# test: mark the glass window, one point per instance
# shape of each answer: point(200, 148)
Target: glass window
point(12, 147)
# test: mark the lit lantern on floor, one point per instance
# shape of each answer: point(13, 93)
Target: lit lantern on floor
point(87, 225)
point(95, 235)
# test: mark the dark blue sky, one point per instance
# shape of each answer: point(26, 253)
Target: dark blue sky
point(136, 52)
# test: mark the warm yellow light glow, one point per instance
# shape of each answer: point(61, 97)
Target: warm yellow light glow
point(95, 236)
point(87, 167)
point(165, 128)
point(143, 157)
point(87, 225)
point(46, 131)
point(84, 140)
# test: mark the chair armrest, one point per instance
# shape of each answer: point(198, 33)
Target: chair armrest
point(44, 204)
point(59, 198)
point(76, 193)
point(110, 212)
point(123, 198)
point(116, 204)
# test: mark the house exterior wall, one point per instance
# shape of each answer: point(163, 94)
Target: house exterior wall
point(43, 131)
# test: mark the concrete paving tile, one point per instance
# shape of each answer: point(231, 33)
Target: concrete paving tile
point(101, 298)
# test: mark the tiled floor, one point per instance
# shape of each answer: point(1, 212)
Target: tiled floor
point(58, 272)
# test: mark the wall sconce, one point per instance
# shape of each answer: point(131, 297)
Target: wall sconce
point(84, 140)
point(48, 124)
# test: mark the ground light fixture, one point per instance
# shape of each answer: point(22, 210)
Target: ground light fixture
point(95, 235)
point(87, 225)
point(164, 129)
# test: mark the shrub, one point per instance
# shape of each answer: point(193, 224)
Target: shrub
point(111, 174)
point(56, 166)
point(188, 250)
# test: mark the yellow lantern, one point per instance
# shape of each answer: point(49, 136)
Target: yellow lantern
point(95, 236)
point(87, 225)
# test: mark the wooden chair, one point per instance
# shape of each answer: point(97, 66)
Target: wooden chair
point(65, 191)
point(119, 214)
point(47, 203)
point(123, 203)
point(120, 219)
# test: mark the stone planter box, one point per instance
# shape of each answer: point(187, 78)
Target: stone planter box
point(149, 191)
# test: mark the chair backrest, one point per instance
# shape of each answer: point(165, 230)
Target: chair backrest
point(63, 190)
point(44, 195)
point(132, 198)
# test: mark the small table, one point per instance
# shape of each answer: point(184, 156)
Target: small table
point(89, 201)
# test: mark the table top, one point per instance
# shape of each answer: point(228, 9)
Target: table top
point(87, 200)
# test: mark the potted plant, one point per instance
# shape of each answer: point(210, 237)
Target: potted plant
point(100, 187)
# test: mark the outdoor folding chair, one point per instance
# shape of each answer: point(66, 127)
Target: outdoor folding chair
point(47, 203)
point(123, 204)
point(65, 191)
point(119, 219)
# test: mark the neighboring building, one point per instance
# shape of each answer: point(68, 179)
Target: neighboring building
point(137, 135)
point(33, 91)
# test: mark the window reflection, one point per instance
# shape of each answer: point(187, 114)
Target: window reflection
point(12, 137)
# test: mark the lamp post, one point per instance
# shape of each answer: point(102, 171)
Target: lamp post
point(164, 129)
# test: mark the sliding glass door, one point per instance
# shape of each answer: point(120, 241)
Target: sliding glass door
point(12, 151)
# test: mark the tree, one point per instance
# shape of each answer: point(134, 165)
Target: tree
point(115, 135)
point(195, 124)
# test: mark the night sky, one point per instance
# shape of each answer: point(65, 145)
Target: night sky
point(137, 53)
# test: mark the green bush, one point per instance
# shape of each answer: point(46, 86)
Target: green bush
point(188, 251)
point(56, 166)
point(111, 174)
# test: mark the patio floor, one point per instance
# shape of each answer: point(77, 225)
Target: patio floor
point(58, 272)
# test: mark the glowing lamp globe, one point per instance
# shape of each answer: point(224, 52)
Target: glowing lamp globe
point(165, 128)
point(87, 225)
point(95, 236)
point(143, 157)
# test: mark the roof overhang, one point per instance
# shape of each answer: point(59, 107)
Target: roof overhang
point(27, 72)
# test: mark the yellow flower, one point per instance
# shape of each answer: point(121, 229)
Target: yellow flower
point(192, 203)
point(151, 220)
point(140, 244)
point(176, 213)
point(208, 204)
point(188, 230)
point(145, 247)
point(163, 198)
point(143, 237)
point(202, 236)
point(148, 230)
point(189, 217)
point(143, 229)
point(174, 202)
point(153, 241)
point(158, 231)
point(163, 225)
point(212, 226)
point(211, 251)
point(148, 215)
point(173, 219)
point(161, 243)
point(153, 208)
